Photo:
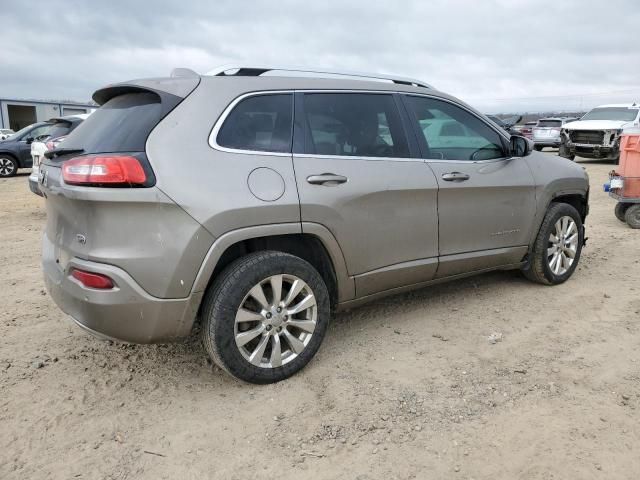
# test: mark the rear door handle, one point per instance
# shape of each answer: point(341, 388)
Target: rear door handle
point(326, 178)
point(455, 177)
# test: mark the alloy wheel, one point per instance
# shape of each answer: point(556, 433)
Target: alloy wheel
point(7, 167)
point(275, 321)
point(563, 245)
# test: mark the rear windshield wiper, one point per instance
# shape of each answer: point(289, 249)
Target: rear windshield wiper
point(56, 152)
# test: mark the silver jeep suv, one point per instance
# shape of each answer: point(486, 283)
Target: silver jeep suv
point(257, 201)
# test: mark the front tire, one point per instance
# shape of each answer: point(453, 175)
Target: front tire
point(538, 148)
point(632, 216)
point(620, 210)
point(556, 250)
point(8, 166)
point(265, 316)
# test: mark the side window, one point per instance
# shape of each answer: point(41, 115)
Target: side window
point(452, 133)
point(262, 123)
point(354, 124)
point(38, 131)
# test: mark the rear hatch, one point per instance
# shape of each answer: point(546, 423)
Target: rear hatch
point(547, 129)
point(93, 217)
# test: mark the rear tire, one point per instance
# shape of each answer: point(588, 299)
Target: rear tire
point(632, 215)
point(542, 268)
point(8, 166)
point(538, 148)
point(620, 210)
point(250, 328)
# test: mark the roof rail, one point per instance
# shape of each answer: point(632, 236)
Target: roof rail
point(256, 71)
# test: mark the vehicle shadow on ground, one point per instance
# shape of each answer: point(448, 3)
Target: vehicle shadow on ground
point(186, 362)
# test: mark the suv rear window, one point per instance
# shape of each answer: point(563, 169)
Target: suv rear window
point(261, 123)
point(122, 124)
point(549, 123)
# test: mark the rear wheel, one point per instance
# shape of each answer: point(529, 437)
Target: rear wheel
point(620, 210)
point(557, 248)
point(265, 316)
point(632, 216)
point(538, 148)
point(8, 166)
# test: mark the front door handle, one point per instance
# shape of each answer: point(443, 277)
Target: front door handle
point(455, 177)
point(326, 179)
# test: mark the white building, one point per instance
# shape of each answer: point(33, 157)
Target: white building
point(17, 114)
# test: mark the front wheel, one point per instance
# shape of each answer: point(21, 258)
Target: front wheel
point(8, 166)
point(265, 316)
point(538, 148)
point(557, 247)
point(620, 210)
point(632, 216)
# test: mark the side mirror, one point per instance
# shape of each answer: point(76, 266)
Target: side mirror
point(28, 140)
point(520, 146)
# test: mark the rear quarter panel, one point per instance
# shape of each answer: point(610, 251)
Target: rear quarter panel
point(212, 185)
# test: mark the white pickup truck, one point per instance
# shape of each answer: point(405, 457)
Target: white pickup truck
point(597, 134)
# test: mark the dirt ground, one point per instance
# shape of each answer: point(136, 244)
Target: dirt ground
point(408, 387)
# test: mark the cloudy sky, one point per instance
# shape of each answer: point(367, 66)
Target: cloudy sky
point(498, 55)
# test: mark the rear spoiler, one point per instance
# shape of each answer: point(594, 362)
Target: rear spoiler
point(177, 86)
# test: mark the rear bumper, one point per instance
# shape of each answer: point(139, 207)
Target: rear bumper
point(126, 312)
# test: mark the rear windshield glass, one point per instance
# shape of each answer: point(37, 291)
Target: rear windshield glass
point(57, 130)
point(550, 123)
point(122, 124)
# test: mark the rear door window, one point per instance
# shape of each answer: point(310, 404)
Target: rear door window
point(259, 123)
point(354, 124)
point(122, 124)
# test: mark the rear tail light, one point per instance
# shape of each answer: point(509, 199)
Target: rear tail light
point(92, 280)
point(107, 170)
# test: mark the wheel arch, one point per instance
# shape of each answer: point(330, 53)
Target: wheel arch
point(6, 153)
point(309, 241)
point(577, 199)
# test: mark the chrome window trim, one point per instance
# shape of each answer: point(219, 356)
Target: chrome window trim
point(213, 136)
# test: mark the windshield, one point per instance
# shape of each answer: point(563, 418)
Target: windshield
point(612, 113)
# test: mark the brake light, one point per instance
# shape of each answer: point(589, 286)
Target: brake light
point(112, 170)
point(92, 280)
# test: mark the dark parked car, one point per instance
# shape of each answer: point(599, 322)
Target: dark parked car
point(15, 151)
